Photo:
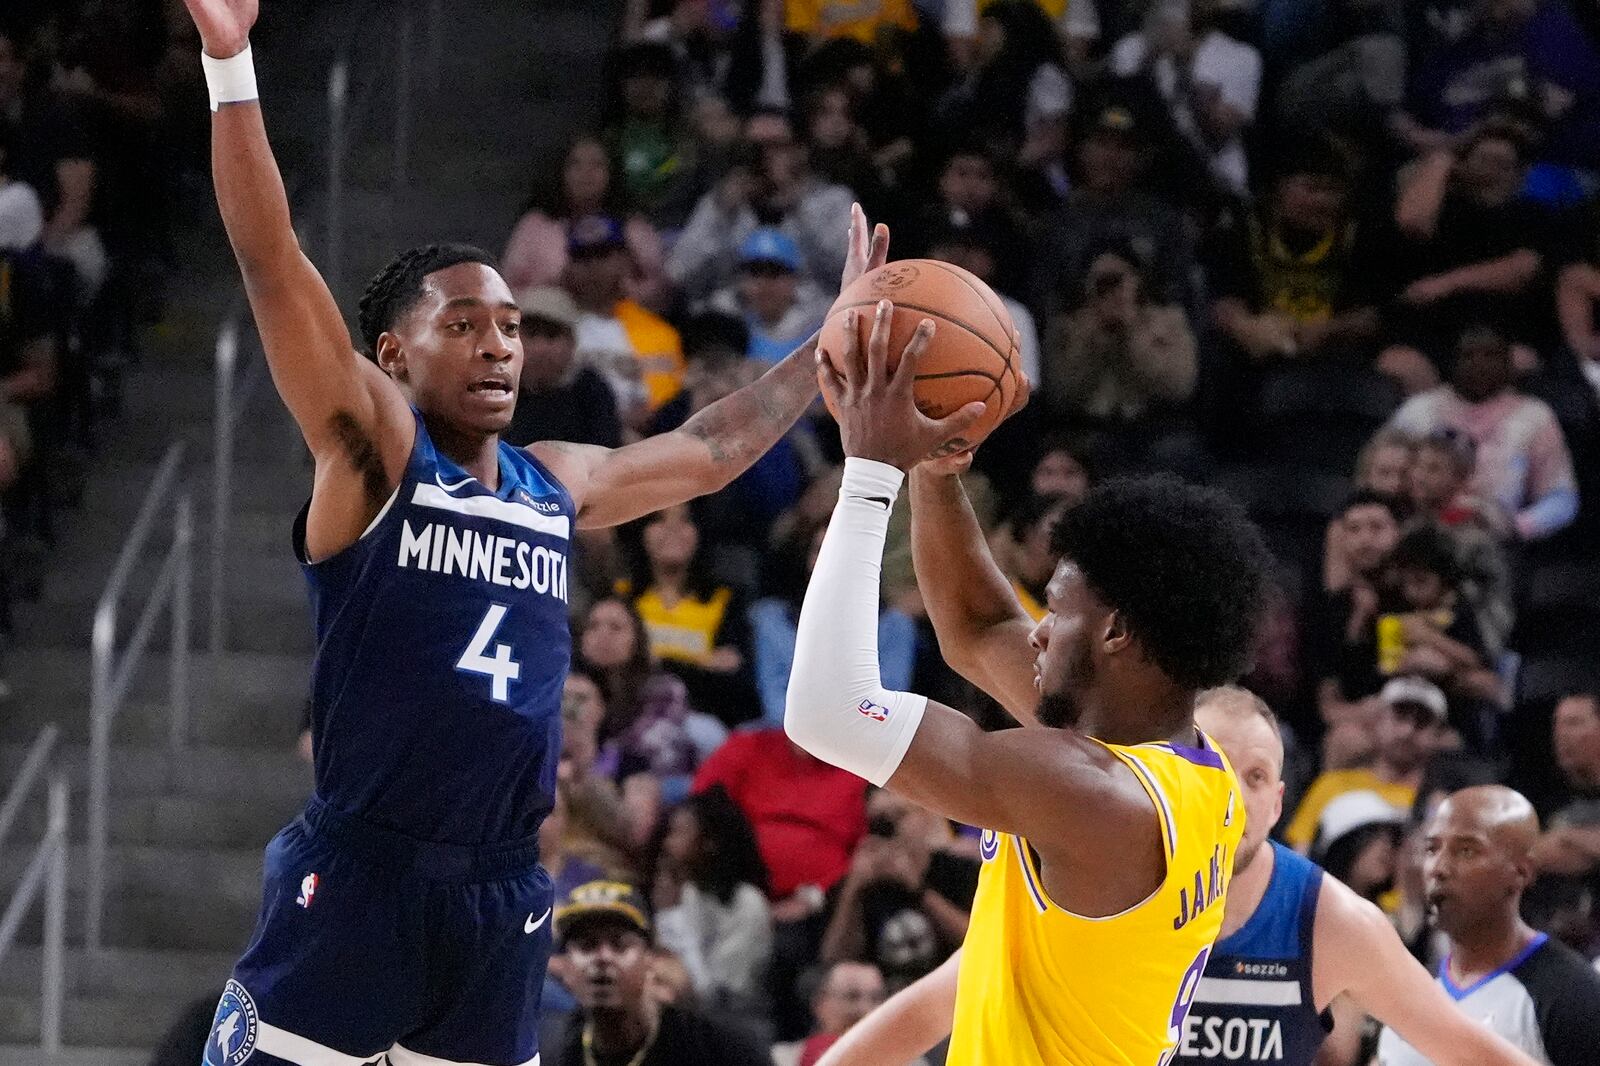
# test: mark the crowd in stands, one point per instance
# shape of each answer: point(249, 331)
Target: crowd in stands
point(1342, 258)
point(95, 105)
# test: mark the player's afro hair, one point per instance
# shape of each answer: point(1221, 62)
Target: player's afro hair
point(1184, 566)
point(398, 286)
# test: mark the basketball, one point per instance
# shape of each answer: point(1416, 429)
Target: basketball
point(972, 355)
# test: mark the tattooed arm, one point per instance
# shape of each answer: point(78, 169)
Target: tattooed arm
point(611, 486)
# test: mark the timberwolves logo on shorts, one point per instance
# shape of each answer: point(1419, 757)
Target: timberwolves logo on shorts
point(233, 1031)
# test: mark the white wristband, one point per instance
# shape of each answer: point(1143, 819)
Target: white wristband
point(231, 80)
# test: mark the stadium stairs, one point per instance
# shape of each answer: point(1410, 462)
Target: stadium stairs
point(187, 831)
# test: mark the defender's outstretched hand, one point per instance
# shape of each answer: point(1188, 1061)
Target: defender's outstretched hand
point(869, 247)
point(224, 25)
point(878, 416)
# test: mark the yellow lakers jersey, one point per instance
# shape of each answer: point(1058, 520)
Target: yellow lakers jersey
point(1041, 986)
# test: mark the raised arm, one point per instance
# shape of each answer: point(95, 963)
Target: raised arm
point(1361, 956)
point(839, 711)
point(982, 628)
point(354, 419)
point(906, 1026)
point(706, 453)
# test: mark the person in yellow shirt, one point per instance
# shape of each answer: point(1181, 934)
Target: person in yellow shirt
point(640, 354)
point(1409, 731)
point(1110, 829)
point(860, 19)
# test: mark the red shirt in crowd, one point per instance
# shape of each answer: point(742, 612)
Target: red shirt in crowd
point(808, 816)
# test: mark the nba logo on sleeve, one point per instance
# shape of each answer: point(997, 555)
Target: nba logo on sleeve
point(234, 1030)
point(875, 711)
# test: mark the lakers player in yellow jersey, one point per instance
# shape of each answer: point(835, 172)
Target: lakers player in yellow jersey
point(1110, 833)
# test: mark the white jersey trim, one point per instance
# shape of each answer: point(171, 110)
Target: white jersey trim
point(516, 514)
point(297, 1049)
point(399, 1056)
point(1248, 993)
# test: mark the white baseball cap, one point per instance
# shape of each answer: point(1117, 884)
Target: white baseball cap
point(1419, 692)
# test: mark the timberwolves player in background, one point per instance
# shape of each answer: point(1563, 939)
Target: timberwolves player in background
point(1296, 948)
point(405, 913)
point(1109, 837)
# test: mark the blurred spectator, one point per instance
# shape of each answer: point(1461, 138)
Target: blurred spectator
point(1522, 460)
point(1108, 205)
point(841, 153)
point(597, 831)
point(847, 992)
point(1355, 84)
point(1061, 471)
point(648, 728)
point(1016, 97)
point(735, 521)
point(1526, 54)
point(780, 307)
point(1021, 548)
point(713, 134)
point(536, 255)
point(771, 185)
point(1211, 82)
point(1338, 623)
point(1359, 844)
point(696, 625)
point(1406, 733)
point(640, 354)
point(603, 929)
point(21, 213)
point(709, 893)
point(907, 898)
point(1301, 279)
point(808, 816)
point(1384, 465)
point(1537, 993)
point(1124, 365)
point(1571, 845)
point(695, 30)
point(821, 19)
point(773, 620)
point(1441, 494)
point(30, 334)
point(975, 247)
point(644, 135)
point(559, 398)
point(970, 200)
point(1476, 251)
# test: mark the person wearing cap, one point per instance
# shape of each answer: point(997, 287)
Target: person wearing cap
point(1116, 139)
point(605, 936)
point(638, 351)
point(1408, 732)
point(1299, 278)
point(558, 397)
point(771, 184)
point(779, 305)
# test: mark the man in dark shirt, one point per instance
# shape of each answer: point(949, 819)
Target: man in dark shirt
point(603, 928)
point(559, 400)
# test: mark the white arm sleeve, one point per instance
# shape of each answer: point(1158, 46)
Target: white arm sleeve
point(837, 707)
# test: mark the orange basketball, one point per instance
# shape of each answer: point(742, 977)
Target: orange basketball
point(972, 355)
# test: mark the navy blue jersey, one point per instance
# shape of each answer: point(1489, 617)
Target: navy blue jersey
point(1254, 1003)
point(442, 646)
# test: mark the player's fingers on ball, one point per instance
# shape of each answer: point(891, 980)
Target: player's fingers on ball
point(878, 344)
point(879, 253)
point(1024, 393)
point(852, 358)
point(954, 425)
point(916, 347)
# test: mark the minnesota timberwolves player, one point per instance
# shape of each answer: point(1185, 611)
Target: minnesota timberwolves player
point(405, 913)
point(1293, 942)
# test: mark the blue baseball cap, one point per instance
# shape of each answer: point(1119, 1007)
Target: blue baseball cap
point(594, 233)
point(770, 245)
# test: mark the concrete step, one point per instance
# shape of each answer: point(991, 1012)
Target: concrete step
point(166, 974)
point(132, 1019)
point(181, 821)
point(16, 1055)
point(273, 776)
point(46, 676)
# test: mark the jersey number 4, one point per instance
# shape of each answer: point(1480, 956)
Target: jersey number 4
point(498, 664)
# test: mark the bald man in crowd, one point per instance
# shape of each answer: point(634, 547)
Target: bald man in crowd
point(1536, 992)
point(1293, 944)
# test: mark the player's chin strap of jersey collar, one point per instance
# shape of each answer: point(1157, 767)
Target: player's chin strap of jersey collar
point(837, 707)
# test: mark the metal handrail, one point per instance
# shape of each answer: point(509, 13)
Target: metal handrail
point(112, 676)
point(47, 869)
point(32, 765)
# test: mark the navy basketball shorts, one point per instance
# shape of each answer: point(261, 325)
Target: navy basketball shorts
point(371, 943)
